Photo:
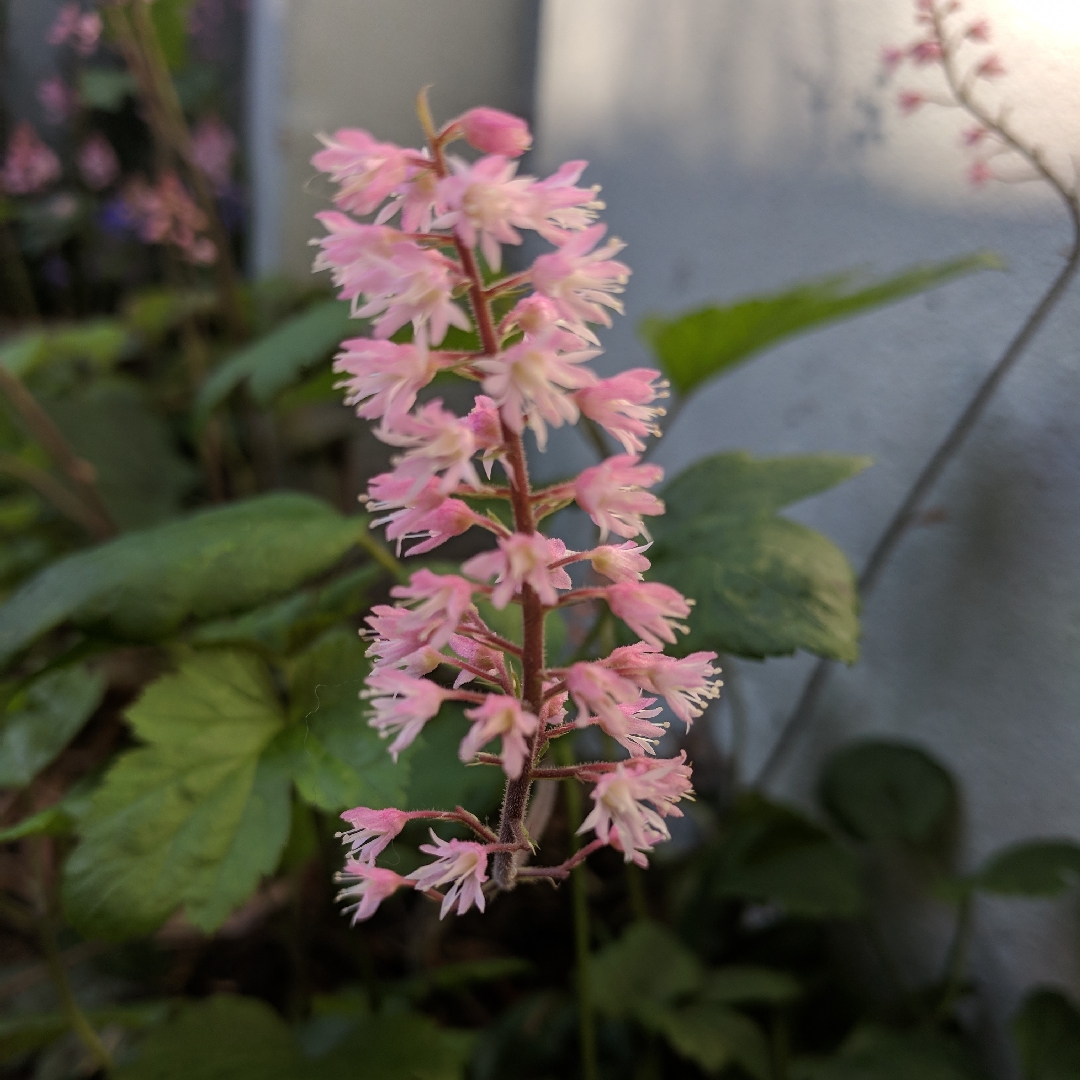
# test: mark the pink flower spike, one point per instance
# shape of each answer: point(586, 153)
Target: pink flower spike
point(493, 131)
point(402, 705)
point(397, 641)
point(462, 864)
point(443, 601)
point(503, 716)
point(611, 494)
point(622, 405)
point(371, 832)
point(979, 173)
point(622, 562)
point(29, 165)
point(369, 886)
point(581, 280)
point(213, 147)
point(909, 101)
point(978, 31)
point(990, 68)
point(686, 684)
point(438, 442)
point(382, 378)
point(97, 162)
point(650, 609)
point(366, 170)
point(521, 559)
point(599, 692)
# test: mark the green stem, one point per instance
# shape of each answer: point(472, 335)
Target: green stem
point(956, 961)
point(20, 289)
point(382, 555)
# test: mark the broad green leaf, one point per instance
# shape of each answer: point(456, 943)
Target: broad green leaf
point(763, 585)
point(154, 311)
point(286, 625)
point(42, 718)
point(278, 360)
point(648, 966)
point(396, 1046)
point(191, 818)
point(105, 88)
point(1047, 1034)
point(220, 1038)
point(140, 474)
point(144, 585)
point(739, 985)
point(713, 1037)
point(771, 853)
point(102, 342)
point(23, 1034)
point(887, 793)
point(874, 1053)
point(1038, 868)
point(52, 821)
point(336, 759)
point(700, 344)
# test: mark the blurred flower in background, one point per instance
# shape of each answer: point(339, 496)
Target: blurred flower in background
point(29, 165)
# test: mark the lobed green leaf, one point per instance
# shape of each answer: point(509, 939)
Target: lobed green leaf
point(1038, 868)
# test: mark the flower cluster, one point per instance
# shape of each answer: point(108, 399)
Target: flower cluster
point(427, 258)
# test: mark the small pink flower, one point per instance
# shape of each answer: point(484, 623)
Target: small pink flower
point(500, 716)
point(892, 58)
point(974, 136)
point(622, 562)
point(460, 862)
point(978, 31)
point(581, 281)
point(382, 377)
point(368, 885)
point(530, 379)
point(521, 559)
point(416, 198)
point(611, 494)
point(443, 600)
point(71, 24)
point(438, 441)
point(686, 684)
point(491, 662)
point(213, 148)
point(558, 206)
point(402, 706)
point(493, 131)
point(634, 730)
point(925, 52)
point(622, 405)
point(485, 423)
point(650, 609)
point(598, 691)
point(553, 711)
point(29, 165)
point(979, 173)
point(97, 162)
point(482, 203)
point(450, 518)
point(909, 101)
point(367, 170)
point(57, 99)
point(166, 214)
point(990, 68)
point(398, 641)
point(371, 832)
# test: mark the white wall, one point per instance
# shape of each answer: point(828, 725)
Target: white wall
point(744, 144)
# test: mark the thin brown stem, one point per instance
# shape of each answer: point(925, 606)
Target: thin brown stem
point(47, 486)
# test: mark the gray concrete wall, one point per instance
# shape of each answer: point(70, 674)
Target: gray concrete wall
point(745, 144)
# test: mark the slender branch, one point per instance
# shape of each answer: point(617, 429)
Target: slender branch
point(562, 871)
point(962, 427)
point(952, 980)
point(46, 485)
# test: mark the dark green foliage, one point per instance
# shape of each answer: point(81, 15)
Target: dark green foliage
point(1041, 868)
point(696, 346)
point(763, 585)
point(648, 966)
point(19, 1035)
point(41, 718)
point(888, 793)
point(1047, 1034)
point(143, 586)
point(874, 1053)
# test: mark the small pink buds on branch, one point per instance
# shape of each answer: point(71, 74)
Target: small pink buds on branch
point(415, 280)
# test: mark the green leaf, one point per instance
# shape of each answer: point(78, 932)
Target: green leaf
point(154, 311)
point(287, 625)
point(23, 1034)
point(1047, 1034)
point(461, 974)
point(52, 821)
point(763, 585)
point(714, 1037)
point(221, 1038)
point(772, 853)
point(745, 985)
point(193, 817)
point(646, 967)
point(699, 344)
point(144, 585)
point(886, 793)
point(278, 360)
point(1038, 868)
point(103, 424)
point(42, 718)
point(105, 88)
point(874, 1053)
point(101, 342)
point(336, 759)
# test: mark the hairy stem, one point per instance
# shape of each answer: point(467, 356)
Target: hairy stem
point(965, 423)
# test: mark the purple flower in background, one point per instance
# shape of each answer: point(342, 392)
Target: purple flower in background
point(57, 99)
point(29, 165)
point(213, 146)
point(72, 25)
point(97, 162)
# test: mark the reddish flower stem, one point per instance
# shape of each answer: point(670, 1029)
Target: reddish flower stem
point(562, 871)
